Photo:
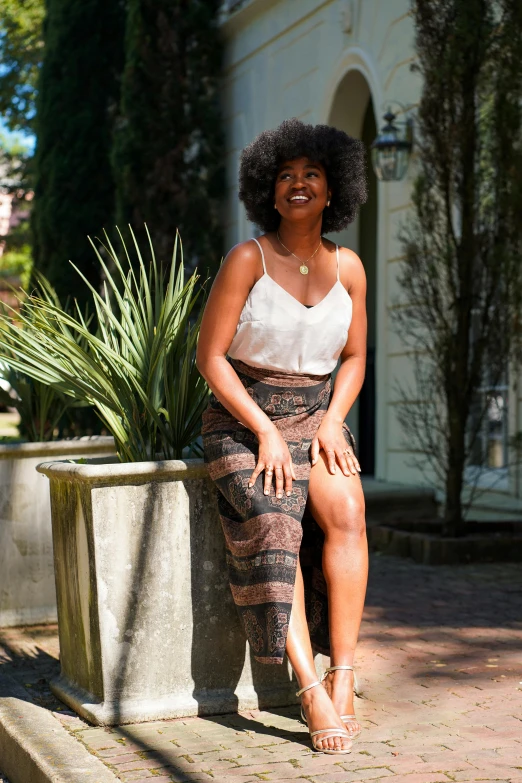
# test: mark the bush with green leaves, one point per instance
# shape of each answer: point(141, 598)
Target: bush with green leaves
point(41, 407)
point(139, 368)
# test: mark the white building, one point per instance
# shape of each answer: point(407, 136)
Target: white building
point(341, 62)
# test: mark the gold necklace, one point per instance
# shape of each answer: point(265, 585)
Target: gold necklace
point(303, 268)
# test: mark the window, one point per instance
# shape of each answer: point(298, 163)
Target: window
point(489, 420)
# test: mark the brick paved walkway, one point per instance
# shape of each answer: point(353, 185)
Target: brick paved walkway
point(439, 658)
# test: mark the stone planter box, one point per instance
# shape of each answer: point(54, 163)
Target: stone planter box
point(422, 541)
point(148, 629)
point(27, 592)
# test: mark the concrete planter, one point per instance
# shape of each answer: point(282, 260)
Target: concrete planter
point(148, 629)
point(27, 592)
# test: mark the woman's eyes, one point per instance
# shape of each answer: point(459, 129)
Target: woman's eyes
point(308, 174)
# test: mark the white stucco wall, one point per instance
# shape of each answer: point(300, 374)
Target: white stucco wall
point(286, 58)
point(318, 60)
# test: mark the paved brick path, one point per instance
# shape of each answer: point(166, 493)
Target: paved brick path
point(440, 661)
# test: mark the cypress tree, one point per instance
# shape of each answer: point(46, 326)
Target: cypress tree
point(168, 151)
point(77, 100)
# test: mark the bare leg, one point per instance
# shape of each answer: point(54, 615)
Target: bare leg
point(319, 710)
point(337, 503)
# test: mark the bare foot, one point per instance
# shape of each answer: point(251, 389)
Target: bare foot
point(320, 714)
point(339, 686)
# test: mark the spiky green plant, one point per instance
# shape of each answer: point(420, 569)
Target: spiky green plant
point(139, 369)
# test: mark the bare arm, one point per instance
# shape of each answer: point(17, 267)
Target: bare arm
point(231, 287)
point(350, 375)
point(227, 297)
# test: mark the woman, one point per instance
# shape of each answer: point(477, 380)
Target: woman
point(284, 308)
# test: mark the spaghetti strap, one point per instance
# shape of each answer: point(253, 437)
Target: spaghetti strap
point(262, 254)
point(337, 253)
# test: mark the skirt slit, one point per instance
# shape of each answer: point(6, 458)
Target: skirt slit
point(266, 536)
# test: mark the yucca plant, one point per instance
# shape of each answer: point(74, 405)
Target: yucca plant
point(138, 370)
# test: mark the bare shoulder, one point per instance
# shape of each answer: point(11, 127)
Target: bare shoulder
point(352, 273)
point(242, 264)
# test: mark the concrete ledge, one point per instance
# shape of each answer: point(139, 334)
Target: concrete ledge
point(110, 471)
point(499, 546)
point(388, 501)
point(27, 615)
point(96, 444)
point(35, 748)
point(218, 701)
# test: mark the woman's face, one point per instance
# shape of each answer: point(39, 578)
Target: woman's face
point(301, 189)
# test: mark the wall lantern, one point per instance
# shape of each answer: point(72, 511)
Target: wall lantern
point(391, 149)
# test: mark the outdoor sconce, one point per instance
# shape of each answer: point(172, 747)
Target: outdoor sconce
point(391, 149)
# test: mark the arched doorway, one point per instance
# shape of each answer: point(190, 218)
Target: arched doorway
point(352, 111)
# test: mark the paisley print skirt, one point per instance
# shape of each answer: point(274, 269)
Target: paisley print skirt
point(265, 536)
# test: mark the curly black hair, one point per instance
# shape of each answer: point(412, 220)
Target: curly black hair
point(343, 159)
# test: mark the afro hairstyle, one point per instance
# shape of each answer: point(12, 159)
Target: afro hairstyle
point(343, 159)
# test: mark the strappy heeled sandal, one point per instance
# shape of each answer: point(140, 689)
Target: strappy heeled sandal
point(334, 732)
point(356, 690)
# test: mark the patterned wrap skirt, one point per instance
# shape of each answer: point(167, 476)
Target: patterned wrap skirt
point(266, 536)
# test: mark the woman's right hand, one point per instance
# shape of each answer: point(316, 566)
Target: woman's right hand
point(274, 458)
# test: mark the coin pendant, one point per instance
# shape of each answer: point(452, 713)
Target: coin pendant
point(303, 269)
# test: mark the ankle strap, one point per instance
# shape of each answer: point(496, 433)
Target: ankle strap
point(335, 668)
point(307, 687)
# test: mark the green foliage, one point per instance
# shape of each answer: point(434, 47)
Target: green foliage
point(13, 146)
point(41, 408)
point(139, 369)
point(21, 50)
point(15, 167)
point(168, 150)
point(18, 261)
point(15, 179)
point(77, 97)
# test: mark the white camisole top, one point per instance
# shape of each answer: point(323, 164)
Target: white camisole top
point(276, 332)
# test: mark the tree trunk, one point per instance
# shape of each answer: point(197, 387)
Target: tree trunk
point(454, 525)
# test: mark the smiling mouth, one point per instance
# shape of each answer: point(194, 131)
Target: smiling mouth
point(299, 200)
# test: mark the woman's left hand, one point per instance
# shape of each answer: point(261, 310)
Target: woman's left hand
point(330, 438)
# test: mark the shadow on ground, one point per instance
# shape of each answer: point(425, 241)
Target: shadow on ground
point(471, 614)
point(462, 623)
